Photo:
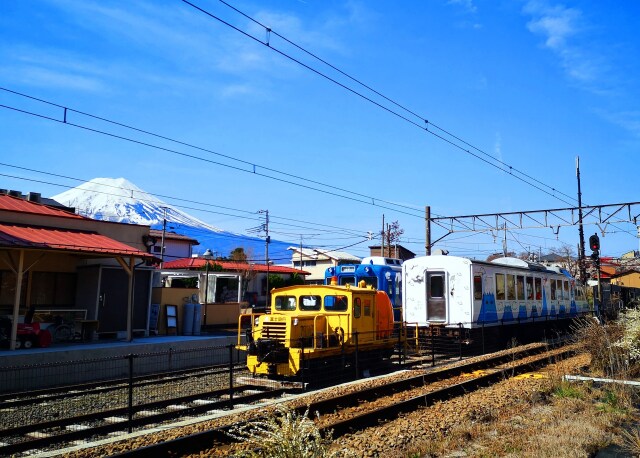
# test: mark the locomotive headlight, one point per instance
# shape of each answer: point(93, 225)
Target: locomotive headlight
point(295, 322)
point(256, 321)
point(387, 275)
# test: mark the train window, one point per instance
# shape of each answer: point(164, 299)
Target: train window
point(520, 287)
point(398, 296)
point(370, 281)
point(336, 303)
point(511, 287)
point(538, 290)
point(477, 287)
point(357, 307)
point(567, 291)
point(367, 310)
point(436, 286)
point(285, 303)
point(529, 284)
point(500, 287)
point(553, 290)
point(310, 302)
point(348, 280)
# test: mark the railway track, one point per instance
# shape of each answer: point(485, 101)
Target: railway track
point(57, 433)
point(365, 407)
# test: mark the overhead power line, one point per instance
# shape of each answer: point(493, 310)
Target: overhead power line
point(422, 122)
point(249, 215)
point(253, 168)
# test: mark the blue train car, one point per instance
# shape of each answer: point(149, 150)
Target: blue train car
point(384, 274)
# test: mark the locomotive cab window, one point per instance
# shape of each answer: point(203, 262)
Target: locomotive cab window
point(553, 289)
point(285, 303)
point(310, 302)
point(357, 307)
point(567, 291)
point(347, 280)
point(336, 303)
point(477, 287)
point(370, 281)
point(538, 289)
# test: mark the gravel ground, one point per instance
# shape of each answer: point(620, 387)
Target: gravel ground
point(490, 422)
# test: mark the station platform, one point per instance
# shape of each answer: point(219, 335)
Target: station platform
point(66, 364)
point(97, 349)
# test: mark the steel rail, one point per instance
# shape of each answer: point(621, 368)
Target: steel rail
point(193, 443)
point(8, 450)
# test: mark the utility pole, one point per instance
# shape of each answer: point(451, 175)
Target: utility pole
point(427, 218)
point(164, 231)
point(382, 238)
point(581, 266)
point(267, 240)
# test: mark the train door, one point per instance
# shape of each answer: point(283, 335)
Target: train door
point(397, 298)
point(436, 297)
point(363, 316)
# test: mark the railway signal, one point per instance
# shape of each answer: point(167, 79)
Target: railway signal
point(594, 243)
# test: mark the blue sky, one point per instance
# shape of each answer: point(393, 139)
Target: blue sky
point(530, 83)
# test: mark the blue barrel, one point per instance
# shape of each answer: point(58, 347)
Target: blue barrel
point(187, 319)
point(197, 319)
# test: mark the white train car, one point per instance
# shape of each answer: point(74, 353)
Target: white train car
point(452, 291)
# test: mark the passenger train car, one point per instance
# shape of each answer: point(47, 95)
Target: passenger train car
point(450, 291)
point(317, 326)
point(381, 273)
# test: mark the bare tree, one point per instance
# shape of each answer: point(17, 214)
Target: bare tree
point(391, 235)
point(568, 259)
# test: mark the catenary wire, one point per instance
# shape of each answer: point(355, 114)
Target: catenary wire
point(509, 169)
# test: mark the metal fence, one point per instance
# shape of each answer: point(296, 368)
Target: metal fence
point(119, 394)
point(114, 395)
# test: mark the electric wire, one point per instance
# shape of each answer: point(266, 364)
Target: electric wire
point(317, 226)
point(179, 142)
point(509, 169)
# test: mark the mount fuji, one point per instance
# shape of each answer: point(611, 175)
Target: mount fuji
point(119, 200)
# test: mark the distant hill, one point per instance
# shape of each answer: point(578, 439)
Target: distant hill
point(119, 200)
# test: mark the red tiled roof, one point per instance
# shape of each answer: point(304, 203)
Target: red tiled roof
point(198, 263)
point(16, 236)
point(10, 203)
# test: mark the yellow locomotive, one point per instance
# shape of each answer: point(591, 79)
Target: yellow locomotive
point(316, 325)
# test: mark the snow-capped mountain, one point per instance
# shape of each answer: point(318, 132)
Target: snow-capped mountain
point(119, 200)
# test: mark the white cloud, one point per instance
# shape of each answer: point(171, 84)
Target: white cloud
point(561, 28)
point(467, 5)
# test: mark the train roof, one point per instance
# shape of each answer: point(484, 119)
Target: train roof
point(505, 261)
point(382, 261)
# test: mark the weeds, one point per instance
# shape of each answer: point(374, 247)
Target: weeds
point(284, 434)
point(632, 441)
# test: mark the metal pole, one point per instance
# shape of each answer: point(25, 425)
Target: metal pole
point(164, 231)
point(206, 290)
point(356, 356)
point(427, 219)
point(231, 375)
point(583, 270)
point(130, 394)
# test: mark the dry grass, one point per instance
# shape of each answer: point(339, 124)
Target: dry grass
point(558, 417)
